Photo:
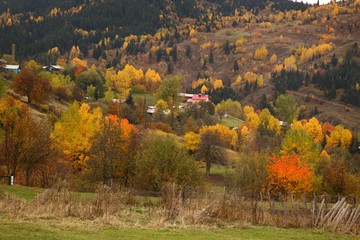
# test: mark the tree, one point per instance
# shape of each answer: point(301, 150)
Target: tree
point(286, 108)
point(218, 84)
point(273, 59)
point(168, 90)
point(153, 80)
point(290, 63)
point(160, 160)
point(73, 134)
point(229, 107)
point(261, 53)
point(209, 150)
point(211, 56)
point(25, 143)
point(299, 142)
point(32, 85)
point(2, 88)
point(251, 172)
point(236, 66)
point(269, 122)
point(227, 48)
point(250, 77)
point(13, 119)
point(37, 149)
point(313, 128)
point(339, 137)
point(188, 52)
point(288, 175)
point(192, 141)
point(114, 151)
point(88, 78)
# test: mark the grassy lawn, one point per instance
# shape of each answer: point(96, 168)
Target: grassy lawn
point(26, 193)
point(231, 121)
point(150, 98)
point(30, 231)
point(29, 193)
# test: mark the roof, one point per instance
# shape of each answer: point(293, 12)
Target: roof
point(200, 97)
point(187, 95)
point(12, 67)
point(56, 67)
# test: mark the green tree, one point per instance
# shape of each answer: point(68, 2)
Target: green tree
point(210, 150)
point(211, 56)
point(286, 108)
point(161, 159)
point(300, 143)
point(168, 90)
point(229, 107)
point(91, 77)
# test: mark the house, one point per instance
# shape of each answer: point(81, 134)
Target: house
point(196, 98)
point(12, 68)
point(53, 68)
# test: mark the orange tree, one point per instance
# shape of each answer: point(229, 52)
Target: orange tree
point(288, 175)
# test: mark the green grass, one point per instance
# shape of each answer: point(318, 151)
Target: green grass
point(31, 231)
point(26, 193)
point(29, 193)
point(150, 98)
point(231, 121)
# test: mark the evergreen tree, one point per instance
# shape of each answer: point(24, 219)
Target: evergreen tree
point(211, 56)
point(188, 52)
point(236, 66)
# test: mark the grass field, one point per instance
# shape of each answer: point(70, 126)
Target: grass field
point(231, 121)
point(150, 98)
point(29, 193)
point(42, 230)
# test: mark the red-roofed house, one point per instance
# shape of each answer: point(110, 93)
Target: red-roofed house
point(196, 98)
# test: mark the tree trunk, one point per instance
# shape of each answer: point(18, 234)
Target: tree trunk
point(208, 166)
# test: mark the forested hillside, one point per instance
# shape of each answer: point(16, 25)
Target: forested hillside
point(42, 25)
point(183, 112)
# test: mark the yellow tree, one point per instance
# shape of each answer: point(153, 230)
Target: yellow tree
point(250, 77)
point(73, 134)
point(290, 63)
point(273, 59)
point(300, 143)
point(204, 89)
point(152, 79)
point(313, 128)
point(192, 141)
point(218, 84)
point(247, 110)
point(269, 122)
point(339, 137)
point(260, 80)
point(261, 53)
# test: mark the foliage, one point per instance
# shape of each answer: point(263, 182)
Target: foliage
point(161, 160)
point(288, 175)
point(229, 107)
point(73, 134)
point(32, 85)
point(286, 108)
point(261, 53)
point(251, 172)
point(339, 137)
point(169, 89)
point(298, 142)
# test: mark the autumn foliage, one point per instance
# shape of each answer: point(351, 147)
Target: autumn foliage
point(288, 175)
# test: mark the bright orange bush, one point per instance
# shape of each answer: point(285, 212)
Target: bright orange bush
point(288, 175)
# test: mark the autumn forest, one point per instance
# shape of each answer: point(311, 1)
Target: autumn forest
point(220, 110)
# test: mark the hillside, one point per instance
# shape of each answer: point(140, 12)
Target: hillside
point(42, 25)
point(179, 114)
